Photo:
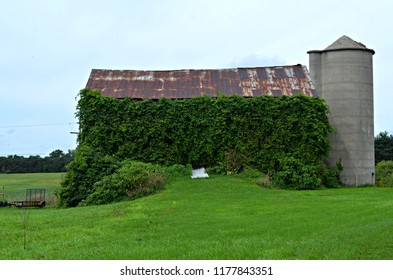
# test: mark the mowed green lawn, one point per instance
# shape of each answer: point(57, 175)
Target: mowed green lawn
point(223, 217)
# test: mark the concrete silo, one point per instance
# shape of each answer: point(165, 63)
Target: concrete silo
point(343, 76)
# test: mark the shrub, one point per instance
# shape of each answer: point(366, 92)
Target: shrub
point(177, 170)
point(133, 180)
point(331, 175)
point(295, 174)
point(93, 178)
point(384, 174)
point(88, 167)
point(220, 168)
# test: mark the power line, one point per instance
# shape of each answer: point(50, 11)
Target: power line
point(35, 125)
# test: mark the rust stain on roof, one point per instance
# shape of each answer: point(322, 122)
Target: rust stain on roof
point(179, 84)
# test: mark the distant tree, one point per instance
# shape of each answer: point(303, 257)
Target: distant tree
point(383, 147)
point(57, 161)
point(57, 154)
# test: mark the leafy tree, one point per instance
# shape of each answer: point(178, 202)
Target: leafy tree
point(383, 147)
point(57, 154)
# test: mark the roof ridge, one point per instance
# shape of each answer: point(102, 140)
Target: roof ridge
point(206, 69)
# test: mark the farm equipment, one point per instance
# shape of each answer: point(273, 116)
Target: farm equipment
point(34, 198)
point(3, 203)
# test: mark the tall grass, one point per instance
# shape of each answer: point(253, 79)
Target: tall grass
point(223, 217)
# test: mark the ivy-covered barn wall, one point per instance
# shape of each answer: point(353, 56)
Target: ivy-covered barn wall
point(200, 130)
point(272, 134)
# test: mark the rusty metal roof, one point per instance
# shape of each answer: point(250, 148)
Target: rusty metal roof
point(179, 84)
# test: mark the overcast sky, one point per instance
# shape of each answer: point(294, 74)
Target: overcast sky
point(48, 48)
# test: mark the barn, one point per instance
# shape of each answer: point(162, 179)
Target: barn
point(341, 74)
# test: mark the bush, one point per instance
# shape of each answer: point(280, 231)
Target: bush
point(220, 168)
point(133, 180)
point(331, 175)
point(93, 178)
point(88, 167)
point(295, 174)
point(384, 174)
point(177, 170)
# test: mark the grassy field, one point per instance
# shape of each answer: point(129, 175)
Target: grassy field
point(223, 217)
point(15, 185)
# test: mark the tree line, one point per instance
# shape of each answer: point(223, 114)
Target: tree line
point(55, 162)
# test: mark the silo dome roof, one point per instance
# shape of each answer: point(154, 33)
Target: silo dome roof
point(344, 42)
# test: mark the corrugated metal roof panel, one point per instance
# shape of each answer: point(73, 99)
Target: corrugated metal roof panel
point(178, 84)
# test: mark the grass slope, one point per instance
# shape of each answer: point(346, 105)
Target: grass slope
point(223, 217)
